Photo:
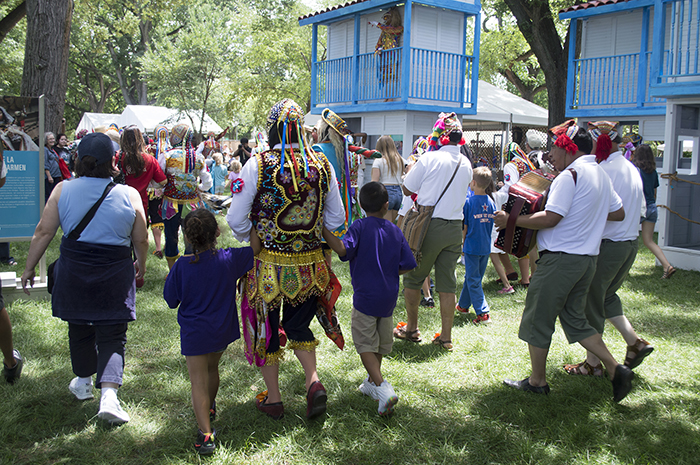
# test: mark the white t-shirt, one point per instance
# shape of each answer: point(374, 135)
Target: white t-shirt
point(430, 175)
point(385, 176)
point(584, 206)
point(628, 184)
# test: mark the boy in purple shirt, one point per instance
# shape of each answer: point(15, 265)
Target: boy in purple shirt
point(378, 253)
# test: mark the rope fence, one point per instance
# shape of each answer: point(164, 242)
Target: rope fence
point(674, 177)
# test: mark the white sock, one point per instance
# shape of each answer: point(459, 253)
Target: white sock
point(109, 394)
point(87, 380)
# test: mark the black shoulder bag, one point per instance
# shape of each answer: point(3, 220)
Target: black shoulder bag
point(75, 234)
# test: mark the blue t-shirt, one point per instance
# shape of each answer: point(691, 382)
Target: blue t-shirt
point(479, 212)
point(377, 250)
point(650, 181)
point(206, 293)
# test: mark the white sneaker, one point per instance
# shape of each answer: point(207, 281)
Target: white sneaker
point(111, 411)
point(387, 398)
point(80, 390)
point(368, 388)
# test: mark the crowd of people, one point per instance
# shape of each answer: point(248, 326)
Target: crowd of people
point(294, 202)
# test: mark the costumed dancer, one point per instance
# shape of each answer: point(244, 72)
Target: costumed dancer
point(288, 194)
point(518, 164)
point(349, 167)
point(630, 142)
point(182, 166)
point(386, 48)
point(155, 191)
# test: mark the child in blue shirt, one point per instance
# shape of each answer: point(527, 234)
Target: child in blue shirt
point(378, 253)
point(479, 212)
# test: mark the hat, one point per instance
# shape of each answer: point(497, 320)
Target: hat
point(179, 134)
point(335, 121)
point(568, 128)
point(513, 150)
point(446, 123)
point(534, 138)
point(96, 145)
point(286, 110)
point(635, 139)
point(597, 128)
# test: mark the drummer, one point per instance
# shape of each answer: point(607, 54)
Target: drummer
point(569, 241)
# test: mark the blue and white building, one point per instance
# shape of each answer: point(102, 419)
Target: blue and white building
point(639, 64)
point(437, 62)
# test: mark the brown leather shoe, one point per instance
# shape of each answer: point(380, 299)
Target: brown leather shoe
point(275, 411)
point(316, 400)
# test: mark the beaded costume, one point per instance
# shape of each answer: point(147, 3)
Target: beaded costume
point(287, 214)
point(182, 167)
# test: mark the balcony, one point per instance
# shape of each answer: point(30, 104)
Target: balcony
point(359, 83)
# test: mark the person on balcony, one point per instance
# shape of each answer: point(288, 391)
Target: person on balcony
point(389, 41)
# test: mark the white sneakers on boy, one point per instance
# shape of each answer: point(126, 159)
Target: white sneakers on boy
point(368, 388)
point(81, 390)
point(110, 409)
point(387, 398)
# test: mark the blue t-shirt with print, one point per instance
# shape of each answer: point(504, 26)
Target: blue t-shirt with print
point(479, 212)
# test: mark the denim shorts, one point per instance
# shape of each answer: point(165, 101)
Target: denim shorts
point(395, 196)
point(652, 214)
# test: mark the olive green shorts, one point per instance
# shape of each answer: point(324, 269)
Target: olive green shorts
point(442, 247)
point(558, 288)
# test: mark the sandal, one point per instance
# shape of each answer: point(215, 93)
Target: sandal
point(668, 272)
point(447, 345)
point(590, 370)
point(400, 332)
point(158, 253)
point(639, 354)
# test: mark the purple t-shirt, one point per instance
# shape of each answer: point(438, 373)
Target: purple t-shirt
point(206, 293)
point(479, 212)
point(377, 250)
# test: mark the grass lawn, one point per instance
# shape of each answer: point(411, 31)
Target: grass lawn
point(453, 407)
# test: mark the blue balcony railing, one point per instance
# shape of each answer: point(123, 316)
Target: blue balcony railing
point(433, 77)
point(682, 60)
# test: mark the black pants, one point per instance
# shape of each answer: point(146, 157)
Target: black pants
point(98, 349)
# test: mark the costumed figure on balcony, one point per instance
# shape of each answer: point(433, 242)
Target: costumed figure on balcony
point(288, 194)
point(184, 170)
point(387, 49)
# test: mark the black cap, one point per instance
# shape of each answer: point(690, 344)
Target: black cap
point(96, 145)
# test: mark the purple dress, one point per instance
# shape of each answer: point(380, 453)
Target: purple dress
point(206, 293)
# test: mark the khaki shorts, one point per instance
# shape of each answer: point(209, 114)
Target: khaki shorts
point(442, 247)
point(558, 289)
point(371, 333)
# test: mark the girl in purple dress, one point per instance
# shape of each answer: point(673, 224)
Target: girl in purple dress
point(203, 284)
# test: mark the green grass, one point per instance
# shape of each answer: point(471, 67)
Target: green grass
point(453, 407)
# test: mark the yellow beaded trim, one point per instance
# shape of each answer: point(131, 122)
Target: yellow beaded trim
point(308, 346)
point(277, 258)
point(274, 358)
point(160, 226)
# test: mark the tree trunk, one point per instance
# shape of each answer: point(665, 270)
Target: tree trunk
point(535, 21)
point(46, 56)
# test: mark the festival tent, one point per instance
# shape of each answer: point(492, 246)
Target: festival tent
point(497, 106)
point(90, 121)
point(147, 117)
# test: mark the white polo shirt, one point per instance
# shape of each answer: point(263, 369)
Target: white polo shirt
point(628, 185)
point(584, 206)
point(430, 175)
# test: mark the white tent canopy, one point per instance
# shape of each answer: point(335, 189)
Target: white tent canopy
point(147, 117)
point(91, 121)
point(496, 105)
